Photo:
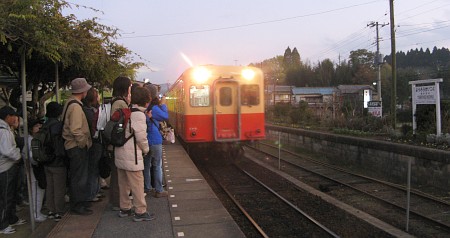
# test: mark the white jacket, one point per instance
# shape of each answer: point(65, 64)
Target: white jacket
point(124, 156)
point(9, 153)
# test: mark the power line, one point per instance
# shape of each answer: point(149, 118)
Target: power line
point(251, 24)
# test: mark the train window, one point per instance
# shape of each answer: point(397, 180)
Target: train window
point(250, 95)
point(199, 95)
point(225, 96)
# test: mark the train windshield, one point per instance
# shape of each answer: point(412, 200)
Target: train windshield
point(199, 95)
point(225, 96)
point(250, 95)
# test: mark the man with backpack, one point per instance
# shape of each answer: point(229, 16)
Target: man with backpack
point(77, 136)
point(56, 168)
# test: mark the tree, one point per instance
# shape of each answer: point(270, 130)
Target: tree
point(287, 59)
point(361, 62)
point(79, 48)
point(325, 73)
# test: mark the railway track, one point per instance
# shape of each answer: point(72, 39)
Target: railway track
point(275, 206)
point(430, 216)
point(270, 213)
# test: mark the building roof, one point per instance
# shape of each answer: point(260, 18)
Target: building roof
point(350, 89)
point(280, 89)
point(317, 91)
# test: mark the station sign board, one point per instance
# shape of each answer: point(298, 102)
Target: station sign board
point(425, 94)
point(375, 108)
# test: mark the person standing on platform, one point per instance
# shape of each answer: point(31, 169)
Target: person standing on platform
point(56, 170)
point(129, 159)
point(78, 140)
point(38, 181)
point(9, 159)
point(159, 113)
point(121, 99)
point(91, 109)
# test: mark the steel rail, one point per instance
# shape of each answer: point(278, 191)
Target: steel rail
point(241, 208)
point(317, 223)
point(357, 189)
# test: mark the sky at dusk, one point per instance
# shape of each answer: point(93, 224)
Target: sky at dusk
point(240, 32)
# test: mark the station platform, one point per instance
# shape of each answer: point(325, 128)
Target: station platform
point(191, 210)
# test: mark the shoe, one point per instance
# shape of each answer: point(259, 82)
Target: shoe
point(51, 215)
point(96, 199)
point(40, 219)
point(82, 211)
point(8, 230)
point(100, 195)
point(144, 217)
point(57, 217)
point(114, 208)
point(19, 222)
point(161, 194)
point(126, 213)
point(88, 209)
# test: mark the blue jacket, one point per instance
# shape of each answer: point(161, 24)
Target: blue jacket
point(159, 113)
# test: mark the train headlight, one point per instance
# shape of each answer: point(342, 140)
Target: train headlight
point(248, 74)
point(201, 74)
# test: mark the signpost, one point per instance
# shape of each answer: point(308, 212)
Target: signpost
point(426, 94)
point(375, 108)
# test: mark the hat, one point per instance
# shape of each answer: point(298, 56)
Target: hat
point(53, 109)
point(7, 110)
point(79, 85)
point(33, 122)
point(153, 90)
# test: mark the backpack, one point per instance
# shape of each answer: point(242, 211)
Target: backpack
point(48, 143)
point(41, 144)
point(166, 131)
point(114, 132)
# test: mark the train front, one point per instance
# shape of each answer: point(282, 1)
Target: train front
point(219, 104)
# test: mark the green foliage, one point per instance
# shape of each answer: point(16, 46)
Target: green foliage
point(302, 114)
point(281, 110)
point(79, 48)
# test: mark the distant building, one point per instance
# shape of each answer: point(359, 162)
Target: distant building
point(278, 94)
point(324, 101)
point(360, 94)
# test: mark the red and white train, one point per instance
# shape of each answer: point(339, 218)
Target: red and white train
point(218, 104)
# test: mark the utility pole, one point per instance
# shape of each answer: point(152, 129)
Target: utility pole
point(394, 67)
point(378, 58)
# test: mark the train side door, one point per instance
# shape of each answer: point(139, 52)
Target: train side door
point(226, 111)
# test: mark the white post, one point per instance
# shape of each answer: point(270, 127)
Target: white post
point(408, 193)
point(279, 150)
point(438, 110)
point(414, 106)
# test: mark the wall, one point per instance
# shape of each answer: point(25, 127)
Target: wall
point(430, 167)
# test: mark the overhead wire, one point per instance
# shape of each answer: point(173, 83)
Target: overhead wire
point(251, 24)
